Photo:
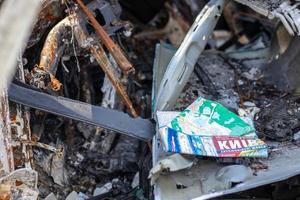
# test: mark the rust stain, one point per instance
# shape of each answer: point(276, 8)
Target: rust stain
point(55, 84)
point(13, 119)
point(19, 183)
point(53, 48)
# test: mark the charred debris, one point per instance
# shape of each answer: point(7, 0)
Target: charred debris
point(91, 78)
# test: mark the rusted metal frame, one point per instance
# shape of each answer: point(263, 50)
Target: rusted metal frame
point(16, 21)
point(52, 52)
point(21, 123)
point(18, 130)
point(112, 47)
point(101, 58)
point(53, 47)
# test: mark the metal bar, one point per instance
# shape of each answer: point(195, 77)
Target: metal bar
point(110, 119)
point(112, 47)
point(106, 66)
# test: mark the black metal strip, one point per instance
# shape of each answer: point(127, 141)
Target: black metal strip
point(107, 118)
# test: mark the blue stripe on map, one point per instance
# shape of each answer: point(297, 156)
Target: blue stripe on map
point(195, 142)
point(173, 140)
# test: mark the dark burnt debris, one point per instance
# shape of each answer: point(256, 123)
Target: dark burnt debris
point(87, 129)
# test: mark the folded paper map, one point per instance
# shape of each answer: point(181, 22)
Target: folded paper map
point(209, 129)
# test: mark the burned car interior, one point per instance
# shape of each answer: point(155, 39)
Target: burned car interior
point(149, 99)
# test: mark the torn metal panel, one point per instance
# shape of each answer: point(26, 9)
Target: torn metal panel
point(172, 163)
point(182, 64)
point(233, 174)
point(282, 155)
point(163, 55)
